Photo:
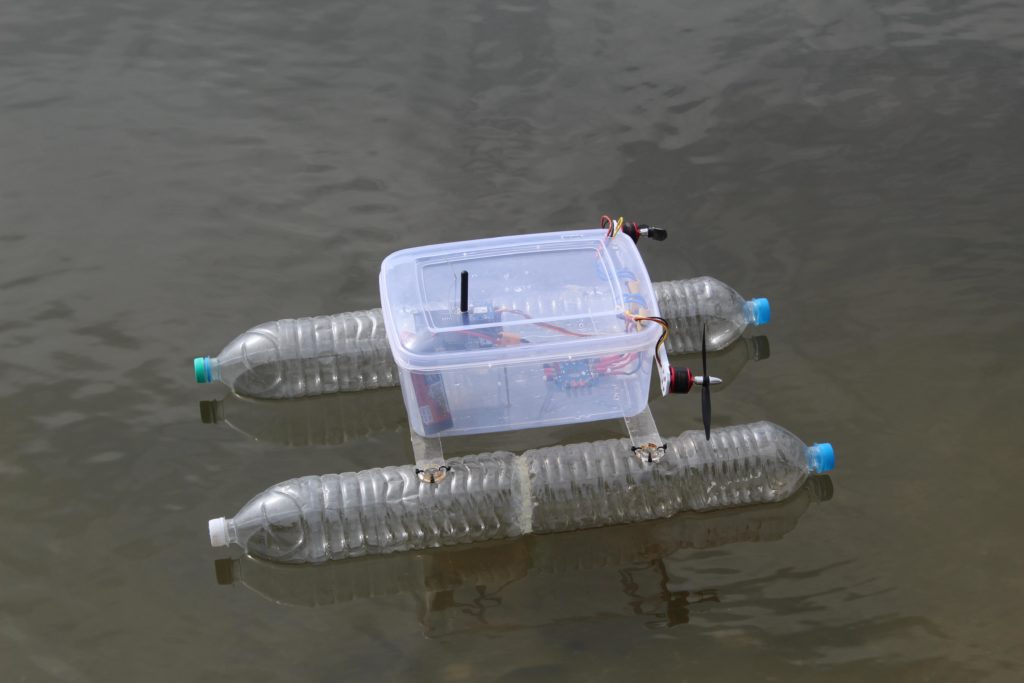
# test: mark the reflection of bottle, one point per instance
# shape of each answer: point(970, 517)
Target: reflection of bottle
point(501, 495)
point(350, 352)
point(727, 363)
point(313, 421)
point(492, 565)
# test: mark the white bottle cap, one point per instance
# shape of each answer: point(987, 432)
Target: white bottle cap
point(219, 532)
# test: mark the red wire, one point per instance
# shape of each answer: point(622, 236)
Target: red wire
point(613, 361)
point(556, 328)
point(549, 326)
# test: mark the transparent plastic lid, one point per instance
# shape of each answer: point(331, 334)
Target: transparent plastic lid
point(528, 297)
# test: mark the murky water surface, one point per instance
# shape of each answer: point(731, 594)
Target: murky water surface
point(173, 173)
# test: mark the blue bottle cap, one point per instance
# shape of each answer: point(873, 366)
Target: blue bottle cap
point(201, 364)
point(821, 457)
point(762, 311)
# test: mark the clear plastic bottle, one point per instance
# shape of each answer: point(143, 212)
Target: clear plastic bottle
point(690, 304)
point(496, 564)
point(305, 357)
point(501, 495)
point(349, 351)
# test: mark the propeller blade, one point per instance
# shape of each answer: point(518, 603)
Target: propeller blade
point(705, 385)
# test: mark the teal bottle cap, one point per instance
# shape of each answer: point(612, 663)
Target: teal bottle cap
point(201, 364)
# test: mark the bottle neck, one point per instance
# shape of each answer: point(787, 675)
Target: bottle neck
point(207, 369)
point(749, 313)
point(215, 369)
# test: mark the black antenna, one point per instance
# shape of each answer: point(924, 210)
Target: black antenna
point(464, 300)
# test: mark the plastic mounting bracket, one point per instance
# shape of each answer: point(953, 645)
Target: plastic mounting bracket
point(664, 371)
point(643, 433)
point(429, 457)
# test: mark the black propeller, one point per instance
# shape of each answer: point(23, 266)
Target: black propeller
point(705, 385)
point(681, 380)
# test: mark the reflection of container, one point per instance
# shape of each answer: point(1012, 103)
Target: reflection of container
point(494, 363)
point(495, 564)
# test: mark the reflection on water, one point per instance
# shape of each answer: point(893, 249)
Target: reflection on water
point(727, 363)
point(335, 419)
point(317, 421)
point(628, 560)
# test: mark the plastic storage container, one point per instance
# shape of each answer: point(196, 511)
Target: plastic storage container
point(546, 337)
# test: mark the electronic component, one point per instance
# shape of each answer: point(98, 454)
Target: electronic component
point(570, 374)
point(432, 402)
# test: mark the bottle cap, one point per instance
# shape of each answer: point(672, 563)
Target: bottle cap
point(219, 532)
point(821, 457)
point(201, 364)
point(762, 311)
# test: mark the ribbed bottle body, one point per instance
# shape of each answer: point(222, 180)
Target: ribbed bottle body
point(501, 495)
point(690, 304)
point(601, 483)
point(494, 564)
point(291, 358)
point(383, 510)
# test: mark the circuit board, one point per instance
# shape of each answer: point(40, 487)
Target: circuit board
point(570, 374)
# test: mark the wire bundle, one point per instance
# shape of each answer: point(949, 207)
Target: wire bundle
point(614, 227)
point(654, 319)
